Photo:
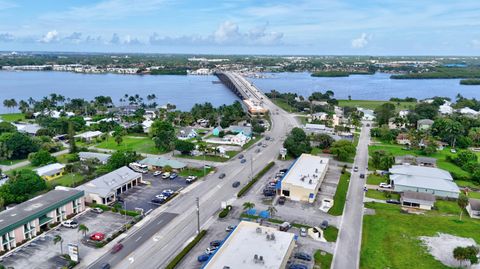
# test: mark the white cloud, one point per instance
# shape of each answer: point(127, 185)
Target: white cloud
point(132, 41)
point(227, 32)
point(50, 37)
point(75, 37)
point(6, 5)
point(361, 41)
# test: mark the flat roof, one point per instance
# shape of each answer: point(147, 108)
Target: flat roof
point(36, 207)
point(162, 162)
point(89, 134)
point(422, 171)
point(246, 241)
point(108, 183)
point(306, 171)
point(50, 169)
point(418, 196)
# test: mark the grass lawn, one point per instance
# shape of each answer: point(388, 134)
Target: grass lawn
point(375, 179)
point(302, 119)
point(323, 260)
point(447, 207)
point(194, 172)
point(209, 158)
point(473, 194)
point(11, 117)
point(372, 104)
point(316, 151)
point(68, 180)
point(390, 238)
point(10, 162)
point(252, 142)
point(340, 195)
point(472, 185)
point(330, 234)
point(380, 195)
point(138, 144)
point(283, 105)
point(27, 167)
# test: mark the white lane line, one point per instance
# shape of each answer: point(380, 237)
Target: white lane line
point(140, 237)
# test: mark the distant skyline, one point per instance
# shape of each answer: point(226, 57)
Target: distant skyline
point(303, 27)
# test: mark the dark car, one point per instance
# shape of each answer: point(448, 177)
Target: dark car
point(395, 202)
point(267, 138)
point(105, 266)
point(243, 161)
point(230, 228)
point(297, 266)
point(362, 175)
point(236, 184)
point(203, 258)
point(222, 175)
point(158, 201)
point(117, 248)
point(302, 256)
point(216, 243)
point(281, 200)
point(240, 156)
point(283, 170)
point(269, 192)
point(324, 225)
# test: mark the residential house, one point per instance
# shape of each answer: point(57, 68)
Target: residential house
point(424, 124)
point(216, 131)
point(27, 128)
point(146, 124)
point(473, 208)
point(187, 133)
point(317, 128)
point(468, 112)
point(420, 200)
point(246, 130)
point(100, 157)
point(238, 139)
point(51, 171)
point(89, 136)
point(403, 139)
point(368, 114)
point(445, 108)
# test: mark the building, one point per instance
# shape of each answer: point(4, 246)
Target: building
point(318, 128)
point(424, 124)
point(303, 179)
point(473, 208)
point(446, 108)
point(216, 131)
point(420, 200)
point(403, 139)
point(158, 163)
point(100, 157)
point(187, 133)
point(253, 246)
point(468, 111)
point(368, 114)
point(89, 136)
point(105, 189)
point(28, 219)
point(51, 171)
point(423, 179)
point(255, 108)
point(27, 128)
point(245, 130)
point(421, 161)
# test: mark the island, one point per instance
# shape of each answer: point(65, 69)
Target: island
point(340, 73)
point(470, 82)
point(442, 72)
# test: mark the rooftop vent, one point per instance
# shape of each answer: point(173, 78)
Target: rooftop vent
point(258, 230)
point(310, 181)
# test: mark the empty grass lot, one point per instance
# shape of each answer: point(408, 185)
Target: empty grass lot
point(138, 144)
point(376, 179)
point(340, 195)
point(11, 117)
point(68, 180)
point(380, 195)
point(390, 238)
point(322, 261)
point(372, 104)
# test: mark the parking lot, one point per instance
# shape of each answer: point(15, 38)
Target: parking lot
point(42, 253)
point(141, 196)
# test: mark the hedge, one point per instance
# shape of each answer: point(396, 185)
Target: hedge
point(255, 179)
point(225, 212)
point(184, 252)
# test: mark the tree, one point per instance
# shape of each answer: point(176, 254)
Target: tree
point(21, 186)
point(185, 147)
point(474, 135)
point(426, 111)
point(118, 139)
point(83, 229)
point(248, 205)
point(382, 159)
point(324, 140)
point(41, 157)
point(469, 253)
point(272, 210)
point(71, 138)
point(384, 112)
point(121, 158)
point(58, 239)
point(297, 142)
point(460, 254)
point(7, 127)
point(163, 135)
point(343, 150)
point(17, 145)
point(462, 203)
point(447, 129)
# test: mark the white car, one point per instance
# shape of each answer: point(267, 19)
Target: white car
point(210, 250)
point(166, 175)
point(157, 173)
point(70, 223)
point(326, 205)
point(97, 210)
point(303, 232)
point(191, 179)
point(385, 185)
point(161, 196)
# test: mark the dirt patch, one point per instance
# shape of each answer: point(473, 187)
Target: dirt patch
point(441, 248)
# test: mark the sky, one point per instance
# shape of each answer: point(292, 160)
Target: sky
point(301, 27)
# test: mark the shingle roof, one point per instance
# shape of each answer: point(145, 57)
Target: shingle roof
point(106, 184)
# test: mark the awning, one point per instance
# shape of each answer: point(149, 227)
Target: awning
point(44, 220)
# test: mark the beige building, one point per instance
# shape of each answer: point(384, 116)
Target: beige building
point(253, 246)
point(303, 179)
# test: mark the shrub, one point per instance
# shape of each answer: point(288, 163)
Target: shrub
point(224, 213)
point(185, 251)
point(255, 179)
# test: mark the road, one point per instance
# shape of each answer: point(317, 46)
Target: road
point(347, 252)
point(6, 168)
point(156, 250)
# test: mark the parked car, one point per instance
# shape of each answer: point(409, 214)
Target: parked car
point(166, 175)
point(161, 196)
point(168, 192)
point(283, 170)
point(281, 200)
point(297, 266)
point(324, 225)
point(243, 161)
point(190, 179)
point(158, 201)
point(385, 185)
point(391, 201)
point(326, 205)
point(285, 226)
point(355, 169)
point(173, 175)
point(222, 175)
point(267, 137)
point(97, 236)
point(70, 223)
point(105, 266)
point(230, 228)
point(268, 192)
point(203, 258)
point(236, 184)
point(264, 145)
point(302, 256)
point(303, 232)
point(240, 156)
point(97, 210)
point(216, 243)
point(210, 250)
point(117, 248)
point(157, 173)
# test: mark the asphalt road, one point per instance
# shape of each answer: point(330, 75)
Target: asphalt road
point(347, 252)
point(159, 244)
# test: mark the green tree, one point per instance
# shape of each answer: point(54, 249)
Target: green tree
point(185, 147)
point(474, 135)
point(121, 158)
point(248, 205)
point(343, 150)
point(118, 139)
point(384, 112)
point(7, 127)
point(163, 135)
point(71, 138)
point(17, 145)
point(324, 140)
point(21, 186)
point(58, 239)
point(462, 202)
point(83, 229)
point(297, 142)
point(425, 111)
point(41, 157)
point(272, 210)
point(463, 254)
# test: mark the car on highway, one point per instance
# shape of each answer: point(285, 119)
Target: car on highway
point(222, 175)
point(236, 184)
point(216, 243)
point(105, 266)
point(281, 200)
point(158, 200)
point(157, 173)
point(385, 185)
point(203, 258)
point(116, 248)
point(355, 169)
point(97, 210)
point(391, 201)
point(283, 170)
point(362, 175)
point(267, 137)
point(303, 232)
point(297, 266)
point(190, 179)
point(166, 175)
point(97, 236)
point(70, 223)
point(210, 250)
point(173, 176)
point(230, 228)
point(243, 161)
point(264, 145)
point(324, 225)
point(302, 256)
point(240, 156)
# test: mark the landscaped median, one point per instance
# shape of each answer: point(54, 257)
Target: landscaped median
point(340, 195)
point(255, 179)
point(172, 264)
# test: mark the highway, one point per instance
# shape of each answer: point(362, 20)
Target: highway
point(347, 252)
point(168, 230)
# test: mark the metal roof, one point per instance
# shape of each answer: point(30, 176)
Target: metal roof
point(306, 172)
point(102, 157)
point(420, 171)
point(50, 169)
point(425, 183)
point(418, 196)
point(107, 184)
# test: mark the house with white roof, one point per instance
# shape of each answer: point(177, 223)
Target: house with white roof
point(446, 108)
point(89, 136)
point(368, 114)
point(101, 157)
point(27, 128)
point(51, 171)
point(468, 111)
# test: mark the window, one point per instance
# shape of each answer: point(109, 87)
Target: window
point(29, 230)
point(8, 241)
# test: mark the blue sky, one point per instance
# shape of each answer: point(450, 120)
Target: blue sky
point(366, 27)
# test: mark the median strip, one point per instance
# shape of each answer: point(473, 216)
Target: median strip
point(255, 179)
point(184, 252)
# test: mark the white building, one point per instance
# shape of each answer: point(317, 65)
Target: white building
point(253, 246)
point(473, 208)
point(89, 136)
point(368, 114)
point(445, 108)
point(302, 181)
point(468, 111)
point(101, 157)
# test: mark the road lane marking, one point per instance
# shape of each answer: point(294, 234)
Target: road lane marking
point(158, 223)
point(140, 237)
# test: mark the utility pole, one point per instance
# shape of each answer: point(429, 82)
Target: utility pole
point(198, 214)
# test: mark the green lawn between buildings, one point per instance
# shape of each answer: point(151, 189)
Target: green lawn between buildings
point(372, 104)
point(380, 195)
point(323, 260)
point(376, 179)
point(11, 117)
point(340, 195)
point(138, 144)
point(390, 238)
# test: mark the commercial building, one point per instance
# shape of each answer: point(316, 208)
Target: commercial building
point(253, 246)
point(473, 208)
point(101, 157)
point(255, 108)
point(105, 189)
point(303, 179)
point(28, 219)
point(420, 200)
point(423, 179)
point(51, 171)
point(158, 163)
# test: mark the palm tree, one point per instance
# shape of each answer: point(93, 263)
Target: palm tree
point(248, 205)
point(272, 210)
point(58, 239)
point(462, 203)
point(84, 229)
